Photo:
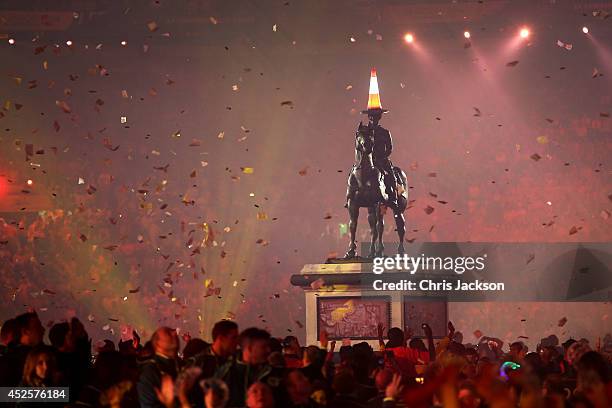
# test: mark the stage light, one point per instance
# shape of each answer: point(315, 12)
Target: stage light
point(409, 38)
point(11, 41)
point(29, 182)
point(524, 33)
point(467, 34)
point(69, 43)
point(585, 30)
point(124, 43)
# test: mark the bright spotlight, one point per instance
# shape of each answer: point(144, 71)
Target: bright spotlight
point(69, 43)
point(585, 30)
point(524, 33)
point(409, 38)
point(124, 43)
point(11, 41)
point(467, 34)
point(29, 182)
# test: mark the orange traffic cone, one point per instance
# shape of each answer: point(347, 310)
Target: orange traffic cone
point(374, 105)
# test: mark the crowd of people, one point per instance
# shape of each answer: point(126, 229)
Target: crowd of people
point(250, 368)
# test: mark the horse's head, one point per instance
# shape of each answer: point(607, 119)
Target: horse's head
point(365, 139)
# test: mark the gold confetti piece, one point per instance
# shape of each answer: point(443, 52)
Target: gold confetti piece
point(213, 20)
point(234, 87)
point(542, 139)
point(152, 26)
point(227, 229)
point(262, 216)
point(247, 170)
point(235, 283)
point(208, 283)
point(349, 87)
point(274, 28)
point(45, 65)
point(124, 93)
point(221, 135)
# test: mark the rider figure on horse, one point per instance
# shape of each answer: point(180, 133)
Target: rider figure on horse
point(383, 144)
point(383, 147)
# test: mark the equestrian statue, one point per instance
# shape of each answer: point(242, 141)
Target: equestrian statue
point(374, 182)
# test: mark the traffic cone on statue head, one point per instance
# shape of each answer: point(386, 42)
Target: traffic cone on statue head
point(374, 105)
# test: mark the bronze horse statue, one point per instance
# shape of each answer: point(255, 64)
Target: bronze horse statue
point(366, 189)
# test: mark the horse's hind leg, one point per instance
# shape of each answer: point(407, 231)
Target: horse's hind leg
point(400, 223)
point(373, 220)
point(380, 215)
point(353, 210)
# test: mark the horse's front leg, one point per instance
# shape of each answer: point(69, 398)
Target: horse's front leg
point(380, 215)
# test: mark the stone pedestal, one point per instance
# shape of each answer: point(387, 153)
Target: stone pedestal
point(341, 298)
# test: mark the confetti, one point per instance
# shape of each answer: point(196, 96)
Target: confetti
point(564, 45)
point(562, 322)
point(63, 106)
point(512, 64)
point(152, 26)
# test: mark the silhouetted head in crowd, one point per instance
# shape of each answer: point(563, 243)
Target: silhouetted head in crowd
point(517, 351)
point(31, 330)
point(346, 354)
point(255, 346)
point(417, 344)
point(9, 332)
point(259, 395)
point(291, 345)
point(344, 382)
point(194, 346)
point(276, 345)
point(39, 369)
point(216, 393)
point(311, 356)
point(60, 337)
point(165, 342)
point(468, 396)
point(276, 359)
point(396, 337)
point(298, 387)
point(225, 338)
point(105, 369)
point(103, 346)
point(593, 378)
point(456, 349)
point(471, 355)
